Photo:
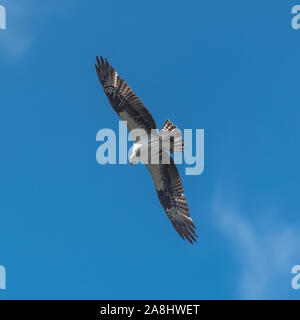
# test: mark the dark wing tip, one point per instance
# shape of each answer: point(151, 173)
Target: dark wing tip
point(102, 67)
point(186, 227)
point(103, 63)
point(186, 230)
point(100, 60)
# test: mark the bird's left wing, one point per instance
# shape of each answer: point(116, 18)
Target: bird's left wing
point(127, 105)
point(169, 189)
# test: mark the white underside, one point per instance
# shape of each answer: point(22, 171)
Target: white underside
point(146, 145)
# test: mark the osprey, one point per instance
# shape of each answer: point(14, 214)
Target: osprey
point(164, 173)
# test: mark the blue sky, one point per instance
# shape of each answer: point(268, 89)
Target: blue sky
point(72, 229)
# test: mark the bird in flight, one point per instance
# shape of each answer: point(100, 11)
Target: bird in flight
point(164, 173)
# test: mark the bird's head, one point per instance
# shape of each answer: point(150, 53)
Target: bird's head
point(133, 160)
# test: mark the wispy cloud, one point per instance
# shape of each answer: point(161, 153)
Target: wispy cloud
point(17, 38)
point(265, 251)
point(21, 32)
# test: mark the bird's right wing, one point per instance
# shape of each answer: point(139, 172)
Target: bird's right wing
point(121, 97)
point(169, 189)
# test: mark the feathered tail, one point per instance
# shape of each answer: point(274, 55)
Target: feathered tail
point(170, 132)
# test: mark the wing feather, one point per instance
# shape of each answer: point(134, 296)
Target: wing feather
point(169, 189)
point(121, 97)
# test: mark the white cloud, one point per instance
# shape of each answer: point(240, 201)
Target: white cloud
point(16, 39)
point(21, 32)
point(266, 251)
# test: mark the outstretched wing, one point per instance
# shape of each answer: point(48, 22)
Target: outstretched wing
point(169, 189)
point(127, 105)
